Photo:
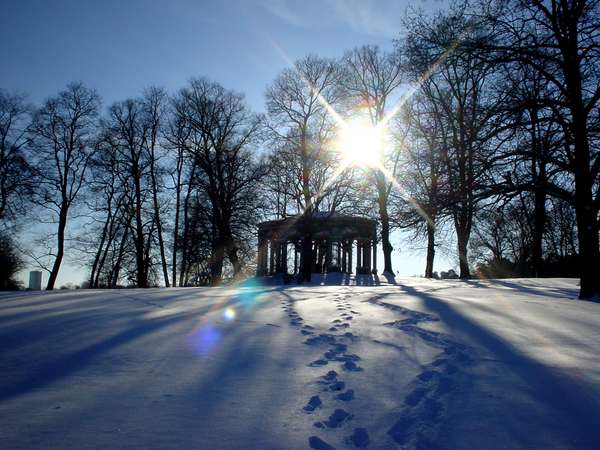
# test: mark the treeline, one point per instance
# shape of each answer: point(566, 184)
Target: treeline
point(491, 117)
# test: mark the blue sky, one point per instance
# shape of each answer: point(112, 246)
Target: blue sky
point(120, 47)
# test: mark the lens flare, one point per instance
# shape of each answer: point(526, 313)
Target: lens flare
point(204, 340)
point(247, 293)
point(229, 313)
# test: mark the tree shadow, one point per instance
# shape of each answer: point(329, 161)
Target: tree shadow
point(550, 386)
point(555, 292)
point(65, 365)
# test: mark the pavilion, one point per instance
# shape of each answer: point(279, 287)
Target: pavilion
point(337, 241)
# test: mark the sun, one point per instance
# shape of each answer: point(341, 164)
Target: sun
point(360, 143)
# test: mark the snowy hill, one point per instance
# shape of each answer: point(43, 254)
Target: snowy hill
point(423, 364)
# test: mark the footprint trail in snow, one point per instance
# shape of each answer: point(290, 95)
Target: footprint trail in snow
point(424, 405)
point(334, 398)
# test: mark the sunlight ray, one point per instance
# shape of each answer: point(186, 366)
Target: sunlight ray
point(388, 176)
point(417, 84)
point(345, 126)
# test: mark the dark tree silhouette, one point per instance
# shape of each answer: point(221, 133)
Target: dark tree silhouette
point(15, 175)
point(62, 133)
point(370, 79)
point(223, 132)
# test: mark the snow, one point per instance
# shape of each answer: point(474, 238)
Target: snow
point(420, 364)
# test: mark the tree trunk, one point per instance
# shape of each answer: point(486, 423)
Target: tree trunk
point(186, 231)
point(114, 279)
point(462, 234)
point(147, 253)
point(232, 254)
point(62, 224)
point(539, 220)
point(216, 263)
point(538, 172)
point(307, 253)
point(141, 278)
point(161, 244)
point(589, 255)
point(586, 213)
point(430, 250)
point(587, 218)
point(385, 224)
point(99, 251)
point(176, 229)
point(112, 233)
point(186, 226)
point(306, 256)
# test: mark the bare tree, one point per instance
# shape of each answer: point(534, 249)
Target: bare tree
point(177, 134)
point(62, 132)
point(109, 205)
point(422, 203)
point(301, 125)
point(370, 79)
point(154, 102)
point(461, 87)
point(223, 132)
point(560, 41)
point(15, 186)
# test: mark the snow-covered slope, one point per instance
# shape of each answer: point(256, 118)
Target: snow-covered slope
point(422, 364)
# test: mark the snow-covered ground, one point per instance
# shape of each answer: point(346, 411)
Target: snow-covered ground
point(494, 364)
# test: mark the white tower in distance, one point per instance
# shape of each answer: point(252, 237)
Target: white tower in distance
point(35, 280)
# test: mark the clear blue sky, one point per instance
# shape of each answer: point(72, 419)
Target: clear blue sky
point(120, 47)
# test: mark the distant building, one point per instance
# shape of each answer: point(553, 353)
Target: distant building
point(35, 280)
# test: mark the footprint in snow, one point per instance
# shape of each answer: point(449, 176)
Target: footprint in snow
point(337, 386)
point(425, 403)
point(330, 376)
point(346, 396)
point(317, 443)
point(313, 403)
point(319, 363)
point(320, 339)
point(351, 366)
point(360, 438)
point(336, 419)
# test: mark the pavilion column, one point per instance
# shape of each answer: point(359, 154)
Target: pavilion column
point(358, 256)
point(367, 257)
point(261, 266)
point(284, 257)
point(295, 258)
point(328, 251)
point(277, 247)
point(375, 256)
point(343, 267)
point(259, 258)
point(338, 260)
point(271, 256)
point(350, 250)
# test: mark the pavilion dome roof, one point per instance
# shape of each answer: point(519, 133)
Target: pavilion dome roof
point(324, 225)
